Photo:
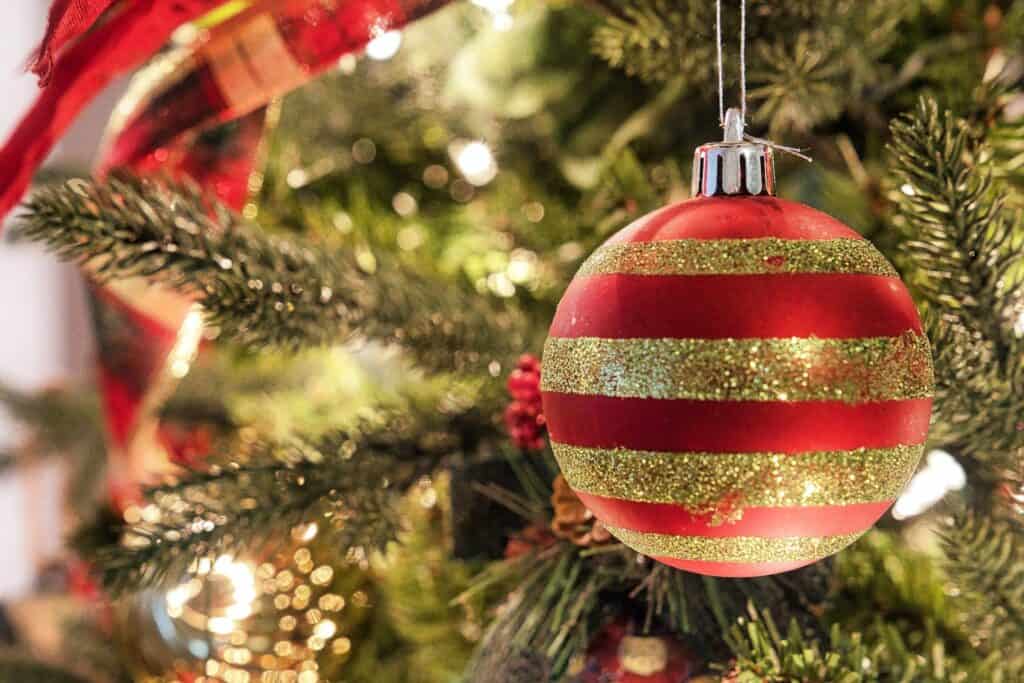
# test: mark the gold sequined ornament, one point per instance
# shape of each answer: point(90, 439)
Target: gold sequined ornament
point(737, 385)
point(294, 614)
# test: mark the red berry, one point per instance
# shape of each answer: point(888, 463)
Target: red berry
point(524, 418)
point(524, 385)
point(515, 412)
point(528, 362)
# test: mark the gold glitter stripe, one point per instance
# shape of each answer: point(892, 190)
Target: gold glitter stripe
point(711, 482)
point(738, 257)
point(790, 369)
point(734, 548)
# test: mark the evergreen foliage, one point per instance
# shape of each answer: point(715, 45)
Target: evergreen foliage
point(564, 594)
point(986, 562)
point(964, 251)
point(811, 60)
point(63, 423)
point(15, 667)
point(346, 480)
point(260, 290)
point(420, 581)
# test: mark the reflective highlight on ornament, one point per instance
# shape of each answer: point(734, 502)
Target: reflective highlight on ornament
point(749, 549)
point(738, 257)
point(790, 369)
point(703, 482)
point(282, 620)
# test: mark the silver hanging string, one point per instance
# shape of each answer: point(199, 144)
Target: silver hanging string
point(743, 82)
point(721, 76)
point(721, 60)
point(743, 59)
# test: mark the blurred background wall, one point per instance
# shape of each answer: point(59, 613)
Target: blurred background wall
point(44, 331)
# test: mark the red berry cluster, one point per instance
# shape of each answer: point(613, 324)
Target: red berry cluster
point(524, 417)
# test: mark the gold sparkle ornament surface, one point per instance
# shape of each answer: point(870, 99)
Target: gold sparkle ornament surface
point(790, 369)
point(703, 482)
point(767, 255)
point(260, 621)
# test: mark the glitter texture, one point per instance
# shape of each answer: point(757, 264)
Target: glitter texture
point(712, 482)
point(791, 369)
point(738, 257)
point(746, 549)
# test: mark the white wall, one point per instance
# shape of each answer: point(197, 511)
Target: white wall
point(44, 332)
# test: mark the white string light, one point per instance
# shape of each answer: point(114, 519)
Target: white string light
point(475, 161)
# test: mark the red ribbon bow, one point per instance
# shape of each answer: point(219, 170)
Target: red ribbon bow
point(68, 20)
point(136, 30)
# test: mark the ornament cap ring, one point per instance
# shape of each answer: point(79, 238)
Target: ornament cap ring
point(735, 166)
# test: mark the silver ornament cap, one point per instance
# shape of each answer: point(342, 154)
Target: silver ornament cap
point(735, 166)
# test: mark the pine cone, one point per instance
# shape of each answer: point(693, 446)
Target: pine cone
point(572, 520)
point(533, 537)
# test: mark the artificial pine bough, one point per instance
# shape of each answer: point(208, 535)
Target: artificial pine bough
point(257, 289)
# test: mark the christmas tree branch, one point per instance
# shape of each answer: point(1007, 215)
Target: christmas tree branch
point(346, 481)
point(764, 653)
point(62, 424)
point(965, 264)
point(207, 515)
point(419, 578)
point(15, 667)
point(827, 58)
point(986, 562)
point(880, 580)
point(564, 594)
point(259, 290)
point(60, 421)
point(562, 598)
point(963, 239)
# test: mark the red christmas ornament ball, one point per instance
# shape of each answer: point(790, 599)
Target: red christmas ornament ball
point(737, 386)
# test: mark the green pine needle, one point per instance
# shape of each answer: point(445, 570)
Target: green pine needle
point(260, 290)
point(346, 481)
point(965, 263)
point(986, 561)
